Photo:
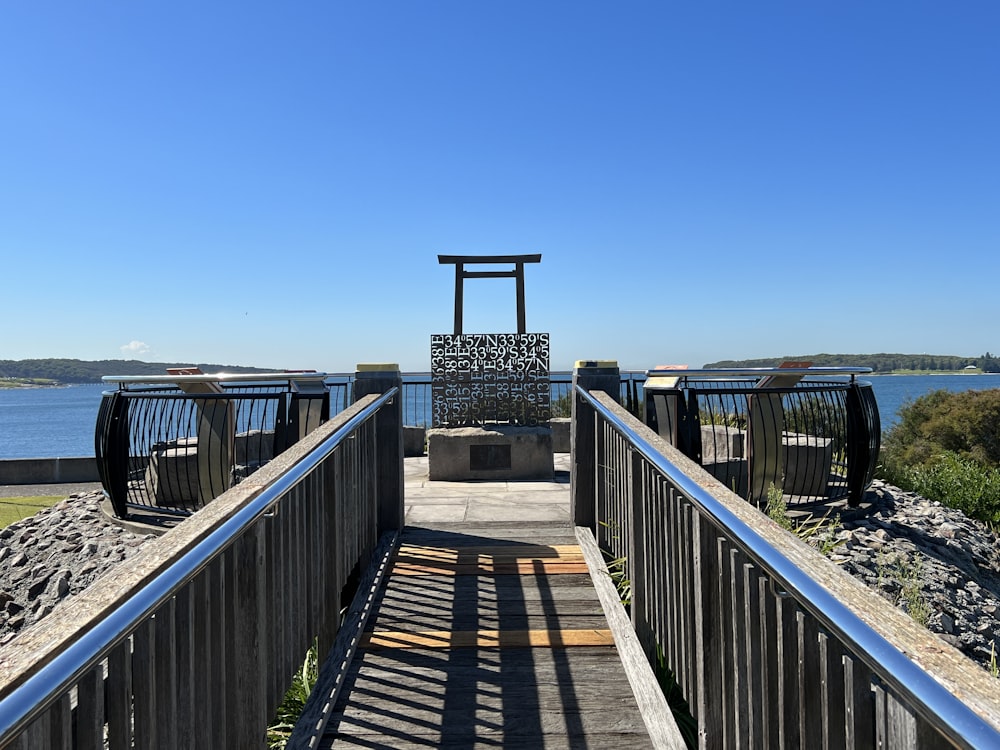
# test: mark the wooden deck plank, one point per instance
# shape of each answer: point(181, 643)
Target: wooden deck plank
point(487, 638)
point(540, 551)
point(538, 567)
point(508, 585)
point(465, 621)
point(464, 698)
point(494, 644)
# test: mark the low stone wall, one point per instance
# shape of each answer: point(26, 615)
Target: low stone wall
point(414, 439)
point(48, 470)
point(560, 434)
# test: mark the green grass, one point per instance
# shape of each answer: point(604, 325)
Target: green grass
point(822, 529)
point(280, 728)
point(686, 723)
point(897, 567)
point(13, 509)
point(777, 508)
point(952, 480)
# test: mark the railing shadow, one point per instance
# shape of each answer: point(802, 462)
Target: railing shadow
point(470, 682)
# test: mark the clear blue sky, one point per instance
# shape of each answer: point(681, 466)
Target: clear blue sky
point(269, 184)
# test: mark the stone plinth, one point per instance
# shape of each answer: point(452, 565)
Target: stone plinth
point(490, 452)
point(172, 473)
point(560, 434)
point(805, 460)
point(721, 443)
point(808, 462)
point(413, 441)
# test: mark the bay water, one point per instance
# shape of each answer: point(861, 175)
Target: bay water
point(59, 422)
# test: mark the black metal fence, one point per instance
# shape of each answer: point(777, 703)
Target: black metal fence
point(417, 394)
point(171, 444)
point(174, 447)
point(808, 438)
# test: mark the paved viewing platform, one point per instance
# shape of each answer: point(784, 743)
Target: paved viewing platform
point(426, 501)
point(483, 500)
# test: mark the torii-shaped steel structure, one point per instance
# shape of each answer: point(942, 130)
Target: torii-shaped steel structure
point(461, 275)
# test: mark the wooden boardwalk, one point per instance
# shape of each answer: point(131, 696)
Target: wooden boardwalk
point(487, 635)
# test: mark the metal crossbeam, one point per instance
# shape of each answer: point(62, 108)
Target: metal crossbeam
point(517, 273)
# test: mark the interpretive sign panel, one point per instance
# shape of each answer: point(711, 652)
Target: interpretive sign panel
point(489, 378)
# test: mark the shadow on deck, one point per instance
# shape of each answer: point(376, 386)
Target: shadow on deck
point(486, 635)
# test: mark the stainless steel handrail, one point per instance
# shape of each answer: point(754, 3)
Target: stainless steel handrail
point(931, 700)
point(30, 699)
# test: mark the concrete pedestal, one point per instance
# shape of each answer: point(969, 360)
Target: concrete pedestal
point(560, 434)
point(808, 462)
point(413, 441)
point(172, 473)
point(493, 452)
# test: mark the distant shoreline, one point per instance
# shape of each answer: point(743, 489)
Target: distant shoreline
point(959, 373)
point(19, 383)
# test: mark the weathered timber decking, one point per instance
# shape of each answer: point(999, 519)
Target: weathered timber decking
point(487, 635)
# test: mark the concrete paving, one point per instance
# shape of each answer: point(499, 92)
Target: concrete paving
point(485, 500)
point(427, 501)
point(47, 490)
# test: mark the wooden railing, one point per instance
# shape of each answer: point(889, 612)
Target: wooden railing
point(772, 644)
point(195, 642)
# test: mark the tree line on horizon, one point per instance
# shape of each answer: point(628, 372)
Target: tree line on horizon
point(75, 371)
point(878, 362)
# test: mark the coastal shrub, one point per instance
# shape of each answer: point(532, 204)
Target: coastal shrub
point(966, 423)
point(952, 480)
point(946, 447)
point(562, 406)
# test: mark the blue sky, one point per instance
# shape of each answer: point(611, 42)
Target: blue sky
point(270, 183)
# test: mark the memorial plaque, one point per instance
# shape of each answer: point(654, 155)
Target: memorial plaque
point(489, 378)
point(489, 457)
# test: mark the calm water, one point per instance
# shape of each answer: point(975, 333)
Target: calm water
point(49, 422)
point(892, 391)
